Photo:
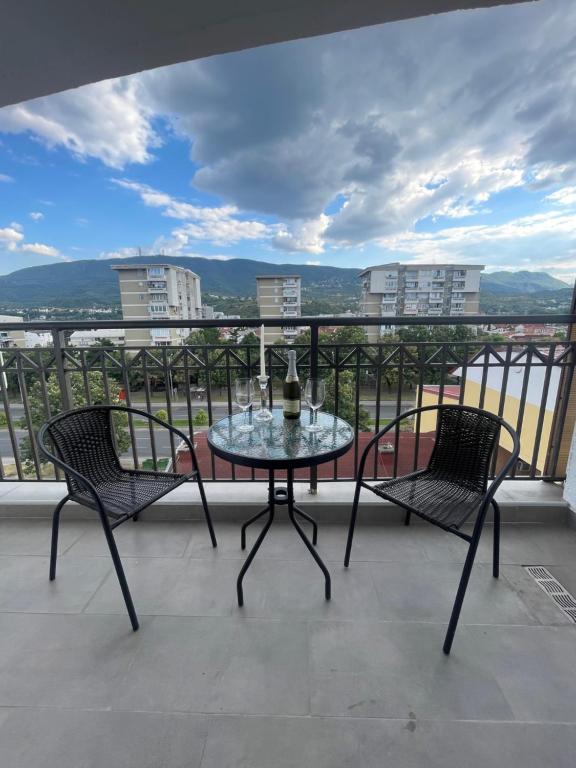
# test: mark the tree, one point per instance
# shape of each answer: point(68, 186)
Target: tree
point(346, 399)
point(38, 412)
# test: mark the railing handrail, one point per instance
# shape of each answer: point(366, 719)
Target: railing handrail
point(279, 322)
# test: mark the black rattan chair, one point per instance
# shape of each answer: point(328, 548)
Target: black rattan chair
point(453, 487)
point(81, 443)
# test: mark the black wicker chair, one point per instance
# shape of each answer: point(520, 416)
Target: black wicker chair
point(83, 448)
point(454, 485)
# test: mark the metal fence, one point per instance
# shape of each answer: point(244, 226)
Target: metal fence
point(368, 384)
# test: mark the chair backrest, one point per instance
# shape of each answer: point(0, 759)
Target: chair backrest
point(83, 440)
point(465, 442)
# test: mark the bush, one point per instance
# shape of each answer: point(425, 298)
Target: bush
point(201, 418)
point(161, 414)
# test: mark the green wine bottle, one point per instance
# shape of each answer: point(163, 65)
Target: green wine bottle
point(291, 390)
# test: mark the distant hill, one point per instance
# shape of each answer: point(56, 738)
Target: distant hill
point(92, 283)
point(519, 283)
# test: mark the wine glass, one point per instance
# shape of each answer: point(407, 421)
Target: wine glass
point(314, 394)
point(243, 396)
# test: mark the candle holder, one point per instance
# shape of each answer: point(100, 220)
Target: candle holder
point(263, 414)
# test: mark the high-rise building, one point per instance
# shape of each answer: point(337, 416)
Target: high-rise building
point(12, 338)
point(279, 296)
point(158, 292)
point(424, 290)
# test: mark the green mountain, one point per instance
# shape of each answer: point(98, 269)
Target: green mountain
point(74, 284)
point(94, 283)
point(519, 283)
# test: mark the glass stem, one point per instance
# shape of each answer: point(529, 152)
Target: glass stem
point(315, 417)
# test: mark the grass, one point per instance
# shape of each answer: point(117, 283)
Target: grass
point(149, 464)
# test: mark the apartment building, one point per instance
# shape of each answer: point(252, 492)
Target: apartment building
point(279, 296)
point(425, 290)
point(9, 339)
point(158, 292)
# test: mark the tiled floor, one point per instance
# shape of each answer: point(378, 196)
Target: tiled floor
point(289, 681)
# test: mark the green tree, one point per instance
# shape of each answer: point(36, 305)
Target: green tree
point(38, 411)
point(346, 399)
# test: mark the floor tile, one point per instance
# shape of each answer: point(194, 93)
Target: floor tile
point(30, 738)
point(535, 668)
point(245, 666)
point(426, 592)
point(64, 661)
point(398, 670)
point(25, 586)
point(411, 743)
point(32, 537)
point(140, 539)
point(284, 589)
point(172, 586)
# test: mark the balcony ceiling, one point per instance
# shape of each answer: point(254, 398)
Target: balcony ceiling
point(49, 47)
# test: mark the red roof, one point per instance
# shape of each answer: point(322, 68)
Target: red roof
point(345, 466)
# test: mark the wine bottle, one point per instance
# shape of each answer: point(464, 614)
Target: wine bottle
point(291, 390)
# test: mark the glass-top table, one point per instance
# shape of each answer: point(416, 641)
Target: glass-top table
point(280, 444)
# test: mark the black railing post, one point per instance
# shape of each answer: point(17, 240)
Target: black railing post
point(313, 489)
point(59, 342)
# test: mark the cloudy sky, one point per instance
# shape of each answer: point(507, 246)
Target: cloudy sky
point(449, 138)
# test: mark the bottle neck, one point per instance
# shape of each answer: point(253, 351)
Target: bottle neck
point(292, 374)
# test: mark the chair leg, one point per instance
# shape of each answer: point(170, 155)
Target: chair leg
point(352, 524)
point(206, 510)
point(120, 572)
point(496, 542)
point(407, 518)
point(461, 592)
point(54, 544)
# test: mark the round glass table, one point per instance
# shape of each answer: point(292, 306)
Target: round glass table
point(280, 444)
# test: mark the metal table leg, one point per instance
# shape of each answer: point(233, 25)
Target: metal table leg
point(259, 540)
point(315, 555)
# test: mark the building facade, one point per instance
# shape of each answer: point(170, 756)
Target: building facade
point(158, 292)
point(279, 296)
point(10, 339)
point(425, 290)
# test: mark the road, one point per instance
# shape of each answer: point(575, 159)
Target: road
point(179, 411)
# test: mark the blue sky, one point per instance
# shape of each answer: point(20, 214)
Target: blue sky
point(448, 138)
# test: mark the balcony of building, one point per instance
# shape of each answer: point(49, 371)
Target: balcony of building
point(204, 682)
point(289, 679)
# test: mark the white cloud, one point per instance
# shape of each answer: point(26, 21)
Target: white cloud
point(41, 249)
point(219, 225)
point(106, 120)
point(10, 237)
point(5, 178)
point(417, 121)
point(307, 236)
point(36, 215)
point(564, 196)
point(313, 263)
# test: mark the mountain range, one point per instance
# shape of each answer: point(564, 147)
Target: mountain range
point(93, 283)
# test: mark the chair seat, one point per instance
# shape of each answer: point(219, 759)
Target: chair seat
point(433, 496)
point(129, 491)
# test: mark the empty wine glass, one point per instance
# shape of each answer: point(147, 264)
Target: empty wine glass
point(244, 394)
point(314, 394)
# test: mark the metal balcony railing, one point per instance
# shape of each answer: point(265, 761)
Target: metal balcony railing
point(368, 384)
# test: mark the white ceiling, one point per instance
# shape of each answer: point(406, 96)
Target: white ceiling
point(52, 45)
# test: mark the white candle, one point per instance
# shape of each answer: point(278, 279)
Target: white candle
point(262, 361)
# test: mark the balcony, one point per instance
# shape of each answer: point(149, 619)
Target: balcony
point(288, 676)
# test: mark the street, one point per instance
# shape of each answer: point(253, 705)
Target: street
point(180, 411)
